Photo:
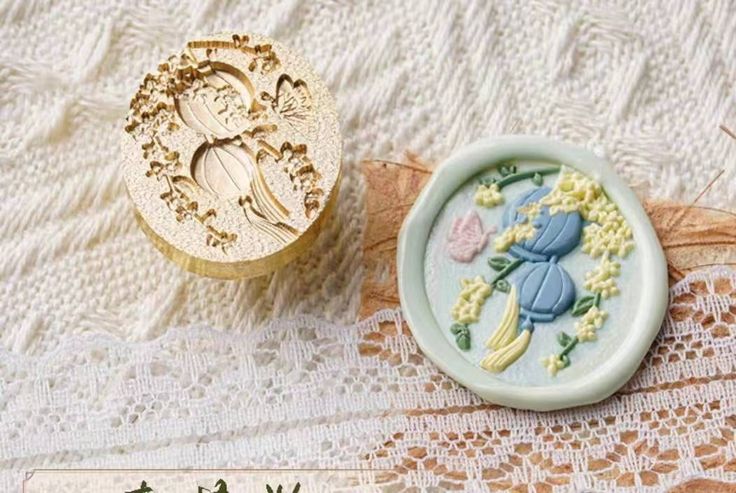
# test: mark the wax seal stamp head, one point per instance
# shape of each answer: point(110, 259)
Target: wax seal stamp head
point(232, 155)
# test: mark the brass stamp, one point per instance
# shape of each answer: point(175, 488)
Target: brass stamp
point(232, 155)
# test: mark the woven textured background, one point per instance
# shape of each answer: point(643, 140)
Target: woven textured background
point(643, 83)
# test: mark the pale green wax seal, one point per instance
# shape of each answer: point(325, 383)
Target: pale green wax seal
point(553, 285)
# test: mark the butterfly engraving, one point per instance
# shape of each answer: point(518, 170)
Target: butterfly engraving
point(466, 238)
point(292, 102)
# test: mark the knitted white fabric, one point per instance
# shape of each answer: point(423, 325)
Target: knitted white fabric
point(644, 83)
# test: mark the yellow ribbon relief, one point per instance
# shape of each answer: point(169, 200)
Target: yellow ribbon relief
point(506, 343)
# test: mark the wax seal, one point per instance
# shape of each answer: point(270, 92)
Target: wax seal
point(530, 273)
point(232, 155)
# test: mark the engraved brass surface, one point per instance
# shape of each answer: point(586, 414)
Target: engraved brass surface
point(232, 156)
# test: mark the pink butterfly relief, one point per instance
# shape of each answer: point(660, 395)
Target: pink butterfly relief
point(466, 238)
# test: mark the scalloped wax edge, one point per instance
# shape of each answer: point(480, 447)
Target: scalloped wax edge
point(611, 374)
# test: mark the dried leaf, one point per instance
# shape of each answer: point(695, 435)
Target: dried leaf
point(693, 237)
point(390, 192)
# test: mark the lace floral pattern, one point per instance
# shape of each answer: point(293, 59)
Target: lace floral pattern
point(306, 393)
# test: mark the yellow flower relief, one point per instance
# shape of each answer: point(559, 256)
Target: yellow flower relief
point(518, 233)
point(601, 209)
point(470, 301)
point(613, 236)
point(589, 324)
point(531, 210)
point(488, 195)
point(601, 279)
point(553, 363)
point(608, 232)
point(573, 192)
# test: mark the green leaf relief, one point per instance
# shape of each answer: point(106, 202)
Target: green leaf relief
point(524, 175)
point(462, 335)
point(457, 328)
point(498, 263)
point(563, 339)
point(506, 169)
point(463, 341)
point(537, 179)
point(582, 305)
point(502, 285)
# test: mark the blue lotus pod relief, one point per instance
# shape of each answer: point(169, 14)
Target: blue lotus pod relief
point(539, 227)
point(556, 235)
point(545, 291)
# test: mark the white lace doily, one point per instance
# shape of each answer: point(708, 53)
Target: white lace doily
point(306, 393)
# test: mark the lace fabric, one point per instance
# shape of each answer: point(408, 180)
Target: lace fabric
point(307, 393)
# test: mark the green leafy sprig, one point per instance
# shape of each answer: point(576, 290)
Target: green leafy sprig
point(509, 174)
point(582, 305)
point(504, 266)
point(462, 335)
point(568, 342)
